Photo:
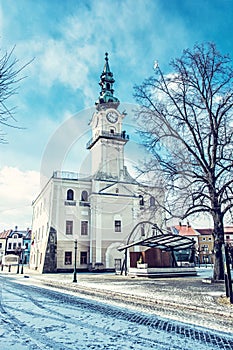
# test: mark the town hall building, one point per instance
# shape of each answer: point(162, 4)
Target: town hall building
point(88, 218)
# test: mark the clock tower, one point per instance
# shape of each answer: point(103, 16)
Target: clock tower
point(108, 138)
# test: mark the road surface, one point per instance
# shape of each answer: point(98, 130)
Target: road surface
point(33, 317)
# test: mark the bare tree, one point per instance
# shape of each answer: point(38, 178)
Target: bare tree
point(186, 123)
point(9, 79)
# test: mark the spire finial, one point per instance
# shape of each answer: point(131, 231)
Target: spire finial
point(106, 56)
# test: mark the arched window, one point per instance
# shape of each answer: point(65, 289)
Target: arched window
point(70, 195)
point(84, 196)
point(152, 201)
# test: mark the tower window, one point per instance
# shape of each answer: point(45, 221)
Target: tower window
point(117, 226)
point(84, 196)
point(108, 86)
point(112, 131)
point(142, 230)
point(152, 201)
point(141, 200)
point(70, 195)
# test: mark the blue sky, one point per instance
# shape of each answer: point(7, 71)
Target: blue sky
point(68, 39)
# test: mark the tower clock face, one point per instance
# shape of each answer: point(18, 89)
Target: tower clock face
point(112, 117)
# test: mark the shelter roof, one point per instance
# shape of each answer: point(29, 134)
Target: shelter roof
point(164, 241)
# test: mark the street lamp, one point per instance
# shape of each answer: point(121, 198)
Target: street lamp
point(75, 261)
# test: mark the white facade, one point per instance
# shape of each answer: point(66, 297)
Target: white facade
point(99, 211)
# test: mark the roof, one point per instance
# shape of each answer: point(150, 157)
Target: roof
point(5, 234)
point(164, 241)
point(186, 230)
point(9, 233)
point(209, 231)
point(228, 229)
point(205, 231)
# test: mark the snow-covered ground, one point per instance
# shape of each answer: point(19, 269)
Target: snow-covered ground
point(37, 318)
point(184, 299)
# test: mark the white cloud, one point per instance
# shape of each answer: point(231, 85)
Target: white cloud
point(17, 190)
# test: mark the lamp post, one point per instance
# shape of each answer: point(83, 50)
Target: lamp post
point(75, 261)
point(22, 257)
point(18, 267)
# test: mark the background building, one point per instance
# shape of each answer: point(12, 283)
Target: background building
point(206, 246)
point(16, 242)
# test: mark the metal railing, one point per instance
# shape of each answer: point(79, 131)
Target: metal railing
point(110, 135)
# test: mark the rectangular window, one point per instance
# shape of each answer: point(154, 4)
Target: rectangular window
point(84, 228)
point(68, 258)
point(0, 245)
point(83, 258)
point(14, 245)
point(117, 226)
point(69, 227)
point(9, 246)
point(19, 245)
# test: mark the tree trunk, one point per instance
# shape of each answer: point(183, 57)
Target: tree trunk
point(218, 242)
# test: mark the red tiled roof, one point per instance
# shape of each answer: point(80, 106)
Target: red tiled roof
point(5, 233)
point(185, 230)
